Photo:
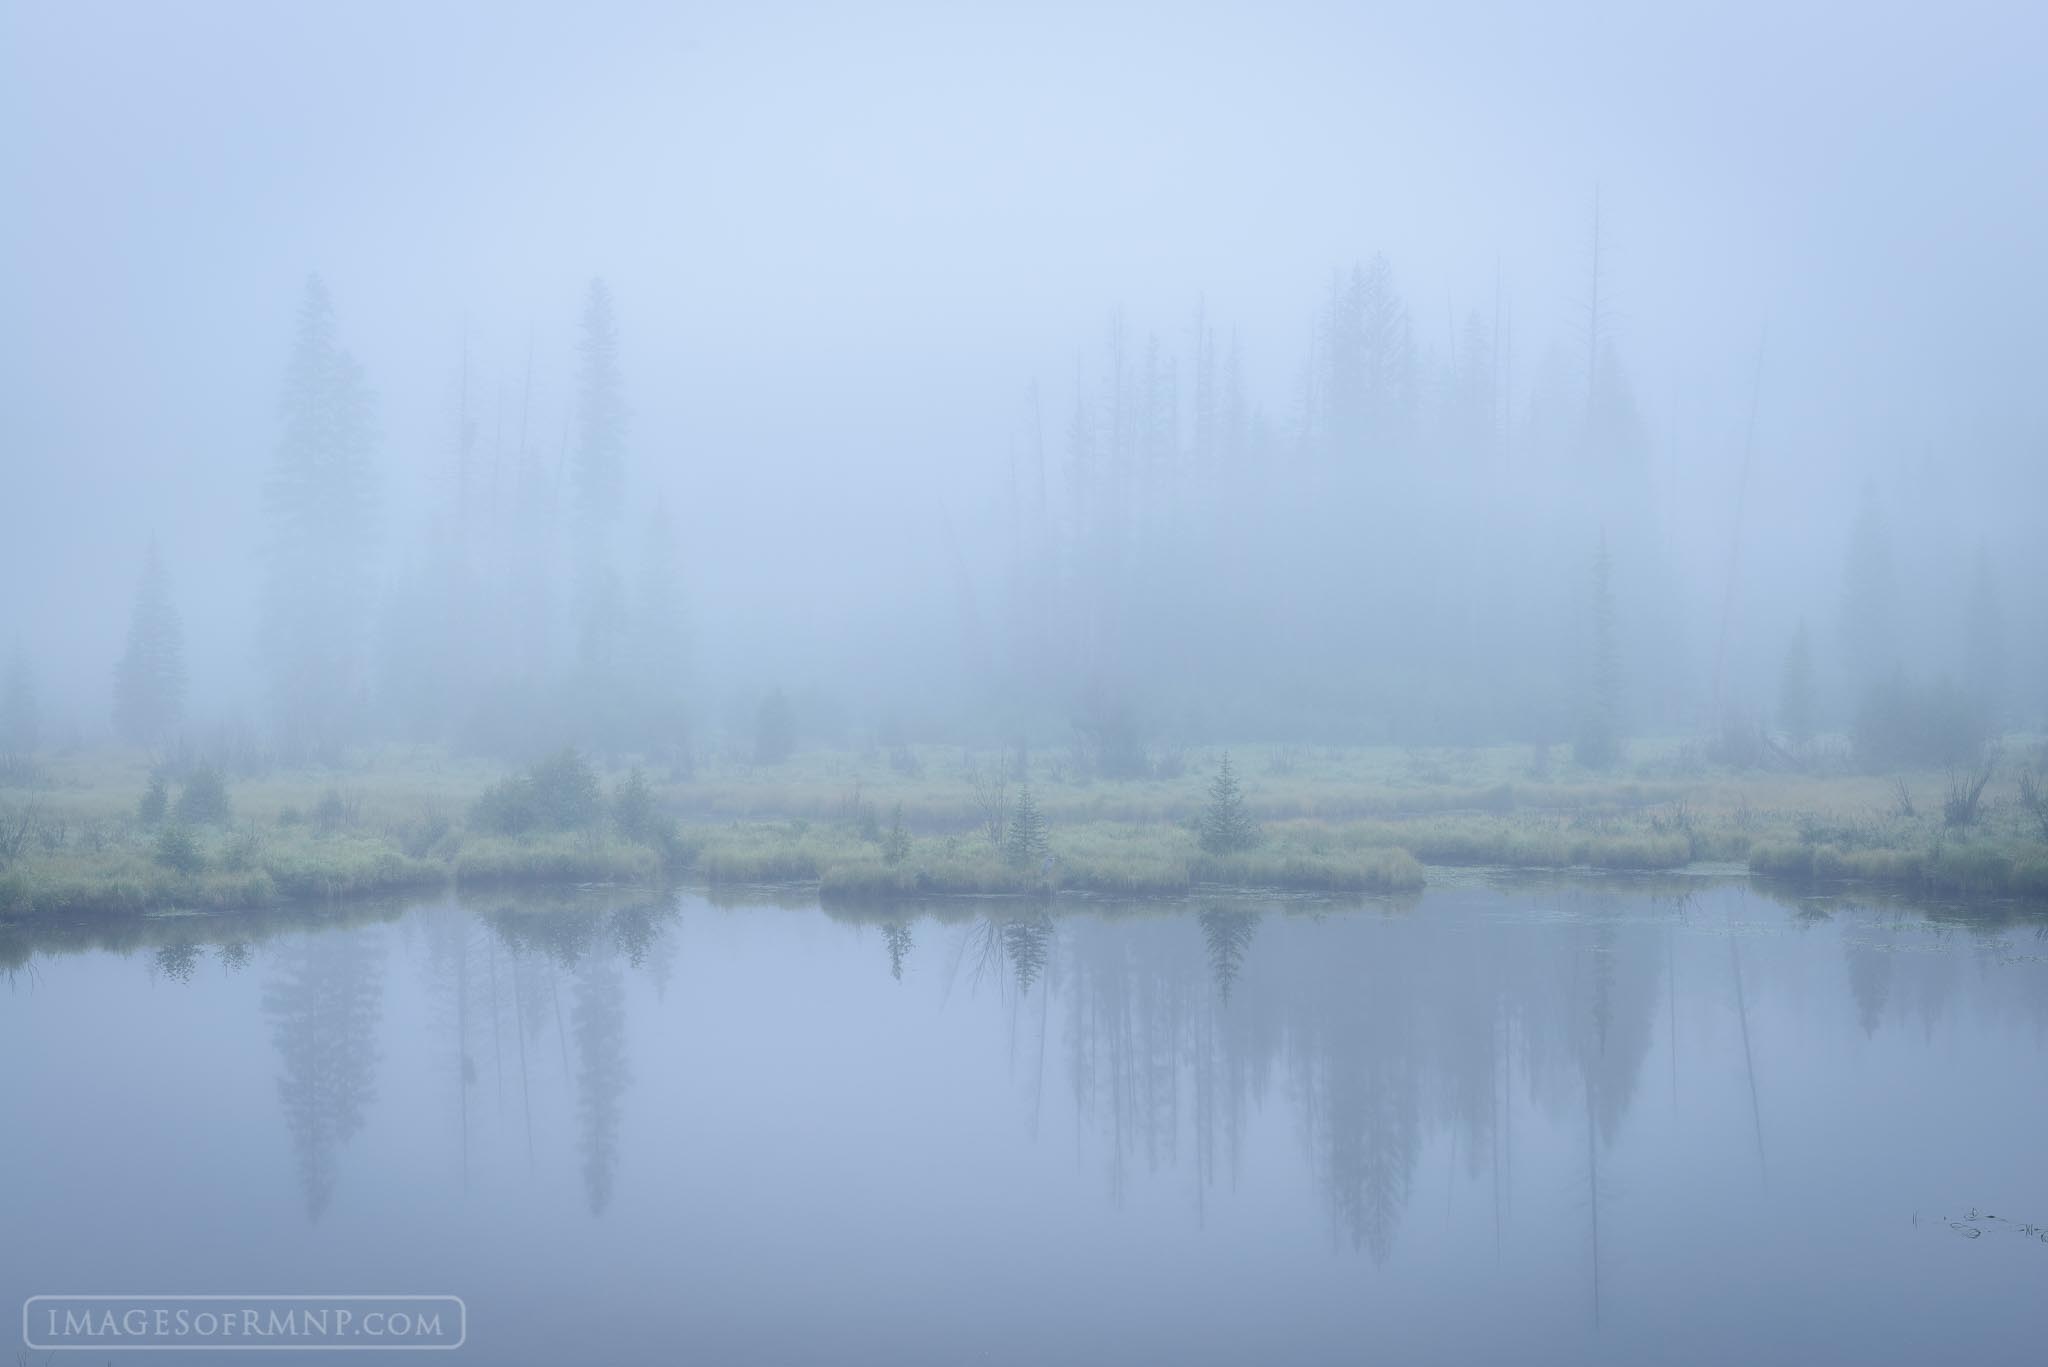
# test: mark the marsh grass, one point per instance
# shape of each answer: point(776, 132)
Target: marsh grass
point(1357, 820)
point(554, 858)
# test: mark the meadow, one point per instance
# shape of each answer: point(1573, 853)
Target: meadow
point(83, 833)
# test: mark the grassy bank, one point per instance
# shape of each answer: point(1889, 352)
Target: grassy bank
point(1357, 821)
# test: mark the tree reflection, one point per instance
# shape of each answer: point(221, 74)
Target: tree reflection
point(1228, 933)
point(324, 1005)
point(599, 1017)
point(897, 937)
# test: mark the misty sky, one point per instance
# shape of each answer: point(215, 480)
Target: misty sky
point(843, 239)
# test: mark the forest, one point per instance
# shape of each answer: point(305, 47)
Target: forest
point(871, 490)
point(1436, 614)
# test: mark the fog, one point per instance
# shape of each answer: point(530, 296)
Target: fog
point(1259, 372)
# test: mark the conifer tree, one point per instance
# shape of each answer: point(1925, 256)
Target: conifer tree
point(1795, 689)
point(1026, 845)
point(1986, 645)
point(320, 502)
point(896, 842)
point(1598, 744)
point(1226, 827)
point(1870, 644)
point(149, 680)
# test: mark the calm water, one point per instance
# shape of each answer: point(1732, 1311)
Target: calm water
point(1553, 1125)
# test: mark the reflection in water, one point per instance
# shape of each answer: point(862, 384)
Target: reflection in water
point(897, 936)
point(324, 1004)
point(590, 946)
point(1228, 932)
point(1388, 1029)
point(1376, 1035)
point(177, 961)
point(599, 1014)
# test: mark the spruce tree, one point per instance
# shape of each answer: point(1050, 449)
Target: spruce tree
point(1598, 743)
point(1026, 845)
point(1986, 644)
point(149, 680)
point(1226, 827)
point(598, 472)
point(156, 799)
point(896, 842)
point(660, 648)
point(1795, 689)
point(1870, 590)
point(320, 502)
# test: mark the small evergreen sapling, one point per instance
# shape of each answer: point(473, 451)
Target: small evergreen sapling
point(896, 844)
point(1226, 827)
point(1026, 844)
point(156, 800)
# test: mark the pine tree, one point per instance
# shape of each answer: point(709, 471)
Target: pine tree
point(1226, 827)
point(321, 504)
point(897, 935)
point(600, 465)
point(1598, 744)
point(1026, 845)
point(149, 680)
point(896, 843)
point(1795, 689)
point(1228, 934)
point(661, 643)
point(1870, 644)
point(156, 799)
point(1987, 642)
point(599, 474)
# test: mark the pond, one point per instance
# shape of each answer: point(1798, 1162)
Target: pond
point(1611, 1123)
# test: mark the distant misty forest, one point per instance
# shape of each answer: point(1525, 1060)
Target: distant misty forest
point(1413, 543)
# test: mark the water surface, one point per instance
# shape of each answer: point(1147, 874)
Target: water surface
point(1563, 1124)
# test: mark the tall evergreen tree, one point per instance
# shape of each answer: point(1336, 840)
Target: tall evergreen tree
point(1027, 844)
point(1986, 643)
point(1795, 689)
point(599, 475)
point(1598, 743)
point(600, 465)
point(149, 679)
point(661, 637)
point(1226, 826)
point(1870, 648)
point(321, 506)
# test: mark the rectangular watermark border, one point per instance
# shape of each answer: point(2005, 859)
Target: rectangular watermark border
point(99, 1346)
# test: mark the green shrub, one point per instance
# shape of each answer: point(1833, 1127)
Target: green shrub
point(176, 849)
point(566, 792)
point(561, 793)
point(204, 799)
point(507, 807)
point(633, 809)
point(419, 836)
point(156, 800)
point(335, 811)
